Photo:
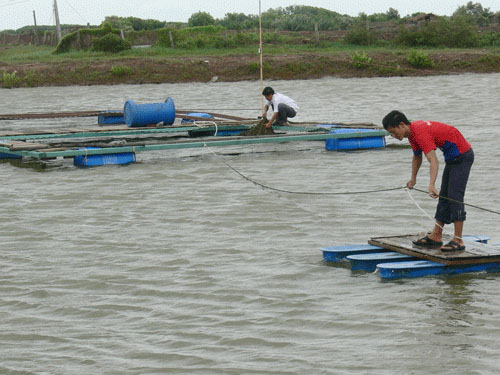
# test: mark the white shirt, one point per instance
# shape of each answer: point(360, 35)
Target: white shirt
point(280, 98)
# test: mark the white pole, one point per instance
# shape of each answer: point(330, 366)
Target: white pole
point(58, 24)
point(260, 54)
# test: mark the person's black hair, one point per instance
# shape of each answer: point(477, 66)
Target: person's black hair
point(268, 91)
point(393, 119)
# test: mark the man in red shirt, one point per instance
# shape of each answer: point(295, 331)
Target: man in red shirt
point(426, 136)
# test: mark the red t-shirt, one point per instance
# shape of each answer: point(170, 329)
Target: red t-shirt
point(429, 135)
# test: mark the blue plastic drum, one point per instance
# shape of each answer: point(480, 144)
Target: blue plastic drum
point(137, 115)
point(208, 116)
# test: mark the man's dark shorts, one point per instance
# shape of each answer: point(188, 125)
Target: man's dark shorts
point(453, 184)
point(284, 111)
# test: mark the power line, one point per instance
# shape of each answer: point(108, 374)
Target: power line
point(13, 3)
point(74, 10)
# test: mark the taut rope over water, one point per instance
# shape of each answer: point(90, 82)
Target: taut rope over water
point(267, 187)
point(297, 192)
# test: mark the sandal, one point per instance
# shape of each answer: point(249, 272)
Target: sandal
point(452, 246)
point(427, 242)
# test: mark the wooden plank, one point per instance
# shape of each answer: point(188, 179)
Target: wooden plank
point(112, 132)
point(475, 252)
point(21, 116)
point(22, 146)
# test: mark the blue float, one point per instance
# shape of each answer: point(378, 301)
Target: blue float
point(419, 268)
point(137, 115)
point(4, 155)
point(204, 115)
point(337, 144)
point(393, 265)
point(96, 160)
point(369, 262)
point(339, 253)
point(111, 117)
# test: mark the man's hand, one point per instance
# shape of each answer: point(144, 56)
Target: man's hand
point(433, 192)
point(410, 184)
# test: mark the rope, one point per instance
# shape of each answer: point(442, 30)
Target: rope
point(204, 124)
point(425, 213)
point(434, 221)
point(267, 187)
point(297, 192)
point(466, 204)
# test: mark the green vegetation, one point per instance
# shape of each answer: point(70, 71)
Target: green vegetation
point(83, 39)
point(299, 42)
point(201, 19)
point(361, 60)
point(360, 35)
point(110, 43)
point(121, 70)
point(420, 60)
point(10, 80)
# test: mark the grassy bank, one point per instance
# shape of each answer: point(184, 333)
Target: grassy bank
point(27, 66)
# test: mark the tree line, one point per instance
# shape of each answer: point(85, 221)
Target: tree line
point(304, 18)
point(464, 28)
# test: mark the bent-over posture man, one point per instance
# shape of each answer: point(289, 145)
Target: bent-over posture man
point(426, 136)
point(283, 107)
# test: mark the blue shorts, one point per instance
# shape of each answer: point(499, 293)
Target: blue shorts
point(453, 184)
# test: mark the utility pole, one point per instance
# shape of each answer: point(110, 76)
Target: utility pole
point(58, 24)
point(36, 31)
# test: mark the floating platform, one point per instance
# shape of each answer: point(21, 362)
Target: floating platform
point(474, 253)
point(407, 260)
point(120, 139)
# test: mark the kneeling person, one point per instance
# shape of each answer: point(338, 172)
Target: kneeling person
point(283, 107)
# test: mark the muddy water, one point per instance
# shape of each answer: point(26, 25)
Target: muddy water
point(177, 265)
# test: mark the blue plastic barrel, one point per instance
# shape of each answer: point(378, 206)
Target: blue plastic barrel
point(4, 155)
point(137, 115)
point(103, 159)
point(354, 143)
point(208, 116)
point(111, 117)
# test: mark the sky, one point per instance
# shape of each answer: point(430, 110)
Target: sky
point(15, 14)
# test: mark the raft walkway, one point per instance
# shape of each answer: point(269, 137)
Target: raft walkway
point(117, 139)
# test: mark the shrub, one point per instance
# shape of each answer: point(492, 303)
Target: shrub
point(205, 37)
point(110, 43)
point(11, 80)
point(201, 19)
point(361, 60)
point(360, 35)
point(443, 32)
point(83, 38)
point(32, 78)
point(490, 39)
point(419, 59)
point(121, 70)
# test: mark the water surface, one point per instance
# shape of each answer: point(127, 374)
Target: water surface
point(177, 265)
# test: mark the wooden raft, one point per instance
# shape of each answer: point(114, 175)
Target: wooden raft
point(474, 253)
